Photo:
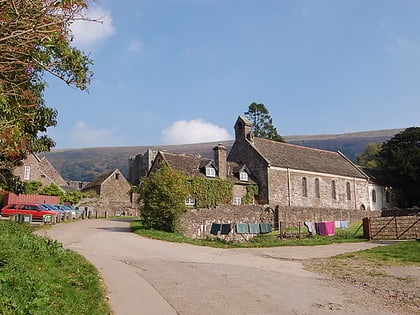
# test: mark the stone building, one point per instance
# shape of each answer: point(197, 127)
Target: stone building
point(113, 193)
point(295, 176)
point(139, 165)
point(197, 166)
point(38, 169)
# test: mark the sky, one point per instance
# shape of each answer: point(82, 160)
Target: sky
point(182, 71)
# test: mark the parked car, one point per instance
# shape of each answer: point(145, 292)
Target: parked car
point(75, 213)
point(36, 210)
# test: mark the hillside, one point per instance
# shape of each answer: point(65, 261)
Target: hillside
point(85, 163)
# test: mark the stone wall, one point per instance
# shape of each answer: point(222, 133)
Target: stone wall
point(197, 223)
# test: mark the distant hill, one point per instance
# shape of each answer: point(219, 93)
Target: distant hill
point(85, 163)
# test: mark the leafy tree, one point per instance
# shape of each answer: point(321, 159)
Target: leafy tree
point(262, 122)
point(35, 39)
point(400, 158)
point(369, 158)
point(163, 195)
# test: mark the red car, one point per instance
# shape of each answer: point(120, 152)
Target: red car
point(37, 210)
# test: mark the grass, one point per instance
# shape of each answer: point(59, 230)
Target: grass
point(403, 252)
point(39, 276)
point(267, 240)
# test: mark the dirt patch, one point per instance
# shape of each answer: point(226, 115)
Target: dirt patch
point(396, 286)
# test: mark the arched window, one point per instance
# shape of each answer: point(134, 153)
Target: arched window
point(333, 191)
point(304, 187)
point(348, 191)
point(317, 194)
point(387, 195)
point(374, 195)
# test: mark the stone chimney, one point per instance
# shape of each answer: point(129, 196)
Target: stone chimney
point(220, 160)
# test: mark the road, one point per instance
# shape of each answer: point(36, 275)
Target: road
point(145, 276)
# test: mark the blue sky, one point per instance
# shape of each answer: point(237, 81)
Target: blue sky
point(181, 71)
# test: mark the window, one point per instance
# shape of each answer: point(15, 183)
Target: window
point(387, 197)
point(189, 201)
point(237, 201)
point(333, 190)
point(317, 194)
point(210, 172)
point(304, 187)
point(117, 176)
point(374, 195)
point(348, 191)
point(27, 173)
point(243, 176)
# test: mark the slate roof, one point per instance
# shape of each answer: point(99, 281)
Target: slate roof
point(193, 165)
point(98, 180)
point(186, 163)
point(285, 155)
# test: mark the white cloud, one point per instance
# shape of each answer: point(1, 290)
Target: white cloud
point(82, 135)
point(194, 131)
point(88, 33)
point(135, 46)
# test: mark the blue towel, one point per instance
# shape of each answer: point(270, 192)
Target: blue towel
point(254, 228)
point(265, 228)
point(344, 224)
point(242, 228)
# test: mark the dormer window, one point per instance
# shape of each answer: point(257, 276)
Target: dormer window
point(210, 172)
point(243, 176)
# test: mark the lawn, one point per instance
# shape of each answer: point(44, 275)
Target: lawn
point(352, 234)
point(39, 276)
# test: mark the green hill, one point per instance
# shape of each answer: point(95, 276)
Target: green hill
point(84, 164)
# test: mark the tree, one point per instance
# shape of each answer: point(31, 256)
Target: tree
point(369, 158)
point(400, 158)
point(163, 195)
point(262, 122)
point(35, 39)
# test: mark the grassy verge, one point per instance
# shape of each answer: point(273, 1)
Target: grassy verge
point(39, 276)
point(352, 234)
point(390, 273)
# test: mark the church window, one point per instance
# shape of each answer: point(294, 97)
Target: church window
point(348, 191)
point(333, 190)
point(374, 195)
point(304, 187)
point(317, 194)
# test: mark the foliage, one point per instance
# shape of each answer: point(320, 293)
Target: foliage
point(39, 276)
point(262, 122)
point(251, 192)
point(209, 192)
point(369, 157)
point(32, 187)
point(34, 39)
point(163, 195)
point(400, 158)
point(51, 190)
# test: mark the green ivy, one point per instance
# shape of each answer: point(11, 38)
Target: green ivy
point(251, 192)
point(210, 192)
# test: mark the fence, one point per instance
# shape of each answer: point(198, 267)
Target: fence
point(392, 228)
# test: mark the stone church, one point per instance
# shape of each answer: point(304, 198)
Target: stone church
point(295, 176)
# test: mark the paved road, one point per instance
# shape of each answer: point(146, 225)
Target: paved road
point(145, 276)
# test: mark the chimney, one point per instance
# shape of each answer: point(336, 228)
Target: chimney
point(220, 160)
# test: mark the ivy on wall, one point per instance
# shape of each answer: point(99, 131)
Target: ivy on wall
point(251, 192)
point(210, 192)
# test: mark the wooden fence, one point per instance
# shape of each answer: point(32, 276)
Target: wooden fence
point(392, 228)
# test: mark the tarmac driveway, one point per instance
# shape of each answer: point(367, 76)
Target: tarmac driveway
point(145, 276)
